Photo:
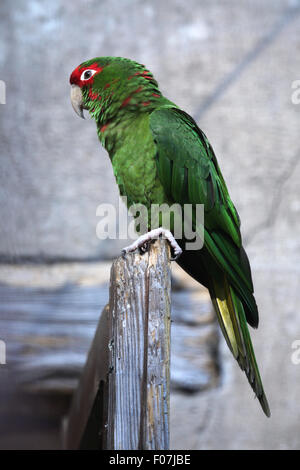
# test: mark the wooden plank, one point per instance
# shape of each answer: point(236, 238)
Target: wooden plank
point(48, 333)
point(139, 379)
point(48, 329)
point(89, 402)
point(48, 318)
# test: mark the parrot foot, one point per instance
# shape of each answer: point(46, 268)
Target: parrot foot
point(144, 241)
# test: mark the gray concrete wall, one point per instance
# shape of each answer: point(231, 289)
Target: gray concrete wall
point(54, 173)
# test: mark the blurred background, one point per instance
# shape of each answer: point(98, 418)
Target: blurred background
point(230, 64)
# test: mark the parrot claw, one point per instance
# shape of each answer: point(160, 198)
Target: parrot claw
point(176, 255)
point(144, 241)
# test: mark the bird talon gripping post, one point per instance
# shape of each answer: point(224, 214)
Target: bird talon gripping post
point(144, 241)
point(145, 247)
point(160, 156)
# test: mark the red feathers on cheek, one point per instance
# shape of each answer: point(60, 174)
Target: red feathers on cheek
point(76, 74)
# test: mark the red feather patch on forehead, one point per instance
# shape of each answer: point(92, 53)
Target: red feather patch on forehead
point(76, 74)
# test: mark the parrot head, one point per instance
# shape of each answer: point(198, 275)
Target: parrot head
point(107, 85)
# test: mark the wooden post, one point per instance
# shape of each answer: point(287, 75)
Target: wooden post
point(138, 412)
point(122, 401)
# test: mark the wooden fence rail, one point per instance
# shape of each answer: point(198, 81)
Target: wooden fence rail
point(122, 401)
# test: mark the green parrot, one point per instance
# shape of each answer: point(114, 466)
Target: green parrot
point(159, 155)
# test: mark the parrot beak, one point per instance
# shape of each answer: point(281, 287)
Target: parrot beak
point(77, 100)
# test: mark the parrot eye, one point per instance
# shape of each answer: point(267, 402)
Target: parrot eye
point(87, 74)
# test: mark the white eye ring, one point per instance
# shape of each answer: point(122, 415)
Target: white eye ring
point(87, 74)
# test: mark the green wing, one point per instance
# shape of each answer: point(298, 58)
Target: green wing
point(188, 169)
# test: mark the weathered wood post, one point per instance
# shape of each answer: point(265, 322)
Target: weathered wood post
point(138, 412)
point(122, 401)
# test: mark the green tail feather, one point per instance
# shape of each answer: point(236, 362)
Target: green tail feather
point(232, 319)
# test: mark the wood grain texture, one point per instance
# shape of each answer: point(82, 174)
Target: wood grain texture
point(85, 426)
point(48, 318)
point(49, 323)
point(139, 379)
